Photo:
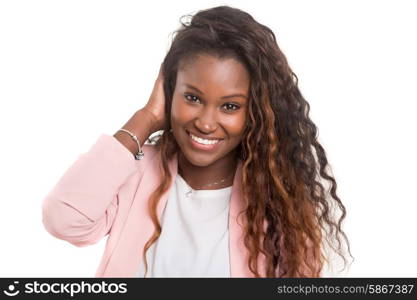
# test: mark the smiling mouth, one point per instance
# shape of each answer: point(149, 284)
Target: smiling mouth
point(203, 144)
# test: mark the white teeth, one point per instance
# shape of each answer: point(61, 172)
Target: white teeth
point(203, 141)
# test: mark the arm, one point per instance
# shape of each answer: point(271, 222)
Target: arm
point(82, 206)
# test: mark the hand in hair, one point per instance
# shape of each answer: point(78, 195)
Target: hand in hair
point(156, 102)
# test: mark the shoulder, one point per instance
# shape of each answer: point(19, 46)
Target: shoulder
point(151, 156)
point(107, 146)
point(151, 151)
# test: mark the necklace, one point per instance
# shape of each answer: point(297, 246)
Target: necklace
point(191, 191)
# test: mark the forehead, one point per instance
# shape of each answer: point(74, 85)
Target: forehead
point(208, 71)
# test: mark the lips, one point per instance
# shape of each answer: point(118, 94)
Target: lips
point(204, 138)
point(206, 147)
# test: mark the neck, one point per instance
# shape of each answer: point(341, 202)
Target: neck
point(200, 176)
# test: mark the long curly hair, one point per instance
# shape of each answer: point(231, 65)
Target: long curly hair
point(289, 212)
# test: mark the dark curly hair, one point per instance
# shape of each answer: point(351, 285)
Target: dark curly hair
point(288, 211)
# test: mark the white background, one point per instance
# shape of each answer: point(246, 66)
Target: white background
point(71, 70)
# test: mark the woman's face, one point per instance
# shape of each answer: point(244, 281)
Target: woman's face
point(210, 101)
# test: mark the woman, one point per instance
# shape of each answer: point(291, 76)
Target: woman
point(231, 188)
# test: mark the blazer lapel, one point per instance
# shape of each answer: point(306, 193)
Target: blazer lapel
point(239, 254)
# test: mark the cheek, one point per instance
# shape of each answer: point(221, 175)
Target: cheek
point(236, 126)
point(178, 111)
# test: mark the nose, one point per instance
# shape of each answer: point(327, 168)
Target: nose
point(206, 121)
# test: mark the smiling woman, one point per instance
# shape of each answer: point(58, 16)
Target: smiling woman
point(234, 186)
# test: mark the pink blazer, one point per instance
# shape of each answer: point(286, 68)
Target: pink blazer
point(105, 192)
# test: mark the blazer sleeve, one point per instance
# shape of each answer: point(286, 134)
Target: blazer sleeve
point(83, 204)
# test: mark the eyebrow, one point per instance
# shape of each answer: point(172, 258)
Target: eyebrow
point(224, 97)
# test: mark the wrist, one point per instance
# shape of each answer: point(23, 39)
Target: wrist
point(153, 121)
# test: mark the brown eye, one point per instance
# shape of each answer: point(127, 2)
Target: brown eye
point(191, 98)
point(232, 106)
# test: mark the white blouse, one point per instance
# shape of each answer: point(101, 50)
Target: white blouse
point(194, 241)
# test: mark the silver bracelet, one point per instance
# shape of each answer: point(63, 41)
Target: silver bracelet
point(140, 153)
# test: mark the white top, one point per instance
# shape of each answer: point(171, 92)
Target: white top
point(194, 241)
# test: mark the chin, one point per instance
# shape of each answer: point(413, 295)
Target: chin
point(199, 160)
